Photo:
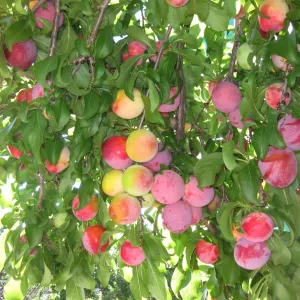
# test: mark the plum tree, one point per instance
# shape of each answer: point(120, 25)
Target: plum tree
point(141, 145)
point(144, 139)
point(279, 168)
point(197, 197)
point(114, 152)
point(22, 55)
point(258, 227)
point(132, 256)
point(91, 239)
point(226, 96)
point(137, 180)
point(250, 255)
point(88, 212)
point(168, 187)
point(177, 217)
point(207, 252)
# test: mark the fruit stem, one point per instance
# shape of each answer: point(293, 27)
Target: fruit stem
point(55, 28)
point(159, 56)
point(234, 50)
point(99, 21)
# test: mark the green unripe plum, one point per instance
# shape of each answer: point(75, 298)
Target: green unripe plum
point(242, 56)
point(59, 219)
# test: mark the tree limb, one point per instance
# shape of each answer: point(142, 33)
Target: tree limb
point(181, 112)
point(41, 192)
point(159, 56)
point(38, 5)
point(55, 28)
point(99, 21)
point(234, 50)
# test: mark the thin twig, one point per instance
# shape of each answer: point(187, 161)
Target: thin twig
point(211, 227)
point(199, 129)
point(234, 50)
point(41, 192)
point(38, 5)
point(159, 56)
point(81, 60)
point(181, 112)
point(55, 28)
point(99, 21)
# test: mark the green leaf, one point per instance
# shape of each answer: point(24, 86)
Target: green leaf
point(260, 142)
point(103, 273)
point(217, 18)
point(249, 182)
point(153, 96)
point(224, 218)
point(138, 283)
point(200, 8)
point(153, 248)
point(207, 168)
point(84, 281)
point(4, 71)
point(104, 43)
point(280, 253)
point(178, 280)
point(152, 117)
point(157, 282)
point(228, 157)
point(34, 235)
point(5, 132)
point(53, 149)
point(73, 291)
point(134, 235)
point(33, 132)
point(47, 276)
point(85, 192)
point(190, 56)
point(44, 67)
point(66, 42)
point(17, 32)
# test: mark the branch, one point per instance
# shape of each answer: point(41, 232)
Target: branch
point(212, 228)
point(285, 87)
point(38, 5)
point(181, 112)
point(81, 60)
point(234, 50)
point(41, 192)
point(159, 56)
point(99, 21)
point(55, 28)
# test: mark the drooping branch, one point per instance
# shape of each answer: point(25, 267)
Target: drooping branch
point(41, 192)
point(181, 112)
point(234, 50)
point(159, 56)
point(55, 28)
point(38, 5)
point(81, 60)
point(99, 21)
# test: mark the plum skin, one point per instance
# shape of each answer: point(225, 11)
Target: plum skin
point(177, 217)
point(132, 256)
point(91, 239)
point(250, 255)
point(88, 212)
point(23, 54)
point(258, 227)
point(289, 129)
point(279, 168)
point(207, 253)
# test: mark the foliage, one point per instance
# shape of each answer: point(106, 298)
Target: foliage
point(78, 109)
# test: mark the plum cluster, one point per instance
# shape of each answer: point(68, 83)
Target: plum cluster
point(251, 251)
